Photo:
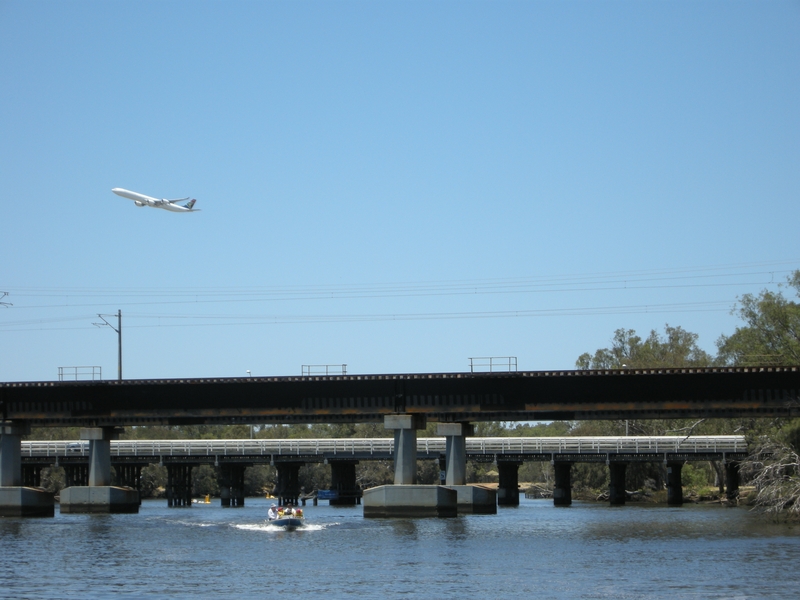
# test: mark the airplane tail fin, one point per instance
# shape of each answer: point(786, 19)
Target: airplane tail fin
point(190, 204)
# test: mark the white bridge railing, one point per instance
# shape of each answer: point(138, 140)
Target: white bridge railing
point(329, 446)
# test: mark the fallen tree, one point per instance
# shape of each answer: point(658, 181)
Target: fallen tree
point(776, 476)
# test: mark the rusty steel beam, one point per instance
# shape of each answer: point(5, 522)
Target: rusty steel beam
point(442, 397)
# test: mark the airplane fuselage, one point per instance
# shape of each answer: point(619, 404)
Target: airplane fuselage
point(142, 200)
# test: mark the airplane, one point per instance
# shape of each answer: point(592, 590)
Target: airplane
point(142, 200)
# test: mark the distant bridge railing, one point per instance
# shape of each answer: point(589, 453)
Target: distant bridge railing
point(384, 447)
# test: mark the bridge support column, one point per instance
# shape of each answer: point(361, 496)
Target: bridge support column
point(99, 453)
point(231, 484)
point(343, 481)
point(616, 488)
point(11, 454)
point(732, 481)
point(179, 485)
point(405, 446)
point(562, 487)
point(287, 488)
point(455, 435)
point(472, 499)
point(17, 500)
point(99, 496)
point(405, 498)
point(508, 483)
point(674, 484)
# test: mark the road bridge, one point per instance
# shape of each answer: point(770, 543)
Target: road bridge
point(231, 457)
point(587, 449)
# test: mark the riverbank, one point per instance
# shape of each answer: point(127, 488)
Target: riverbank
point(537, 491)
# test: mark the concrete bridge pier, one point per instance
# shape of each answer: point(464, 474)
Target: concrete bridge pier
point(16, 499)
point(405, 446)
point(562, 486)
point(405, 498)
point(472, 499)
point(100, 453)
point(179, 485)
point(231, 485)
point(674, 485)
point(11, 454)
point(508, 483)
point(455, 435)
point(616, 488)
point(287, 487)
point(99, 496)
point(343, 480)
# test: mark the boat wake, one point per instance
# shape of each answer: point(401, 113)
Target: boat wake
point(196, 524)
point(270, 528)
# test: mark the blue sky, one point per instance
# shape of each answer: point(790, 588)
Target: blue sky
point(395, 186)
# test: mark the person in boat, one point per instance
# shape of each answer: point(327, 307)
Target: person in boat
point(272, 513)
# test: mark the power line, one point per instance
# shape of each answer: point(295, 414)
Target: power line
point(500, 284)
point(711, 277)
point(345, 294)
point(253, 320)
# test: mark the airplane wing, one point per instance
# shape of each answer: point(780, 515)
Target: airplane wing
point(177, 200)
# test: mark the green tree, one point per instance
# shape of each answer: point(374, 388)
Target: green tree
point(490, 429)
point(676, 348)
point(204, 481)
point(541, 429)
point(771, 334)
point(770, 337)
point(154, 481)
point(259, 480)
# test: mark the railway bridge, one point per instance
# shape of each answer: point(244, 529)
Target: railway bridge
point(404, 403)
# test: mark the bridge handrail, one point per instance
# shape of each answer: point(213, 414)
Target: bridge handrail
point(603, 445)
point(371, 446)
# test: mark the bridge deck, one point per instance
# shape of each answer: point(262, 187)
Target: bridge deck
point(532, 448)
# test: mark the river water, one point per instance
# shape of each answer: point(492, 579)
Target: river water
point(534, 550)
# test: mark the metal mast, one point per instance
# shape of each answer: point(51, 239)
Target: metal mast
point(118, 329)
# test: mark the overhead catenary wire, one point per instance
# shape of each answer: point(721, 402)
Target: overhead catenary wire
point(392, 291)
point(252, 320)
point(661, 279)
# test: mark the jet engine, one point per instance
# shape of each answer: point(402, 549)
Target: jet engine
point(137, 203)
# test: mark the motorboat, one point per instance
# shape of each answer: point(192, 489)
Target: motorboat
point(289, 518)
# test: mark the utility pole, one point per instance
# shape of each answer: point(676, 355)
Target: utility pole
point(118, 329)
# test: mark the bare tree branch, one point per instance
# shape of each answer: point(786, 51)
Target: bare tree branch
point(777, 479)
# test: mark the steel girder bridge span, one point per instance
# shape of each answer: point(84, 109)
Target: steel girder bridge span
point(438, 397)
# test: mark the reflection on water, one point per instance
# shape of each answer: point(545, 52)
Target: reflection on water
point(457, 529)
point(585, 551)
point(404, 527)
